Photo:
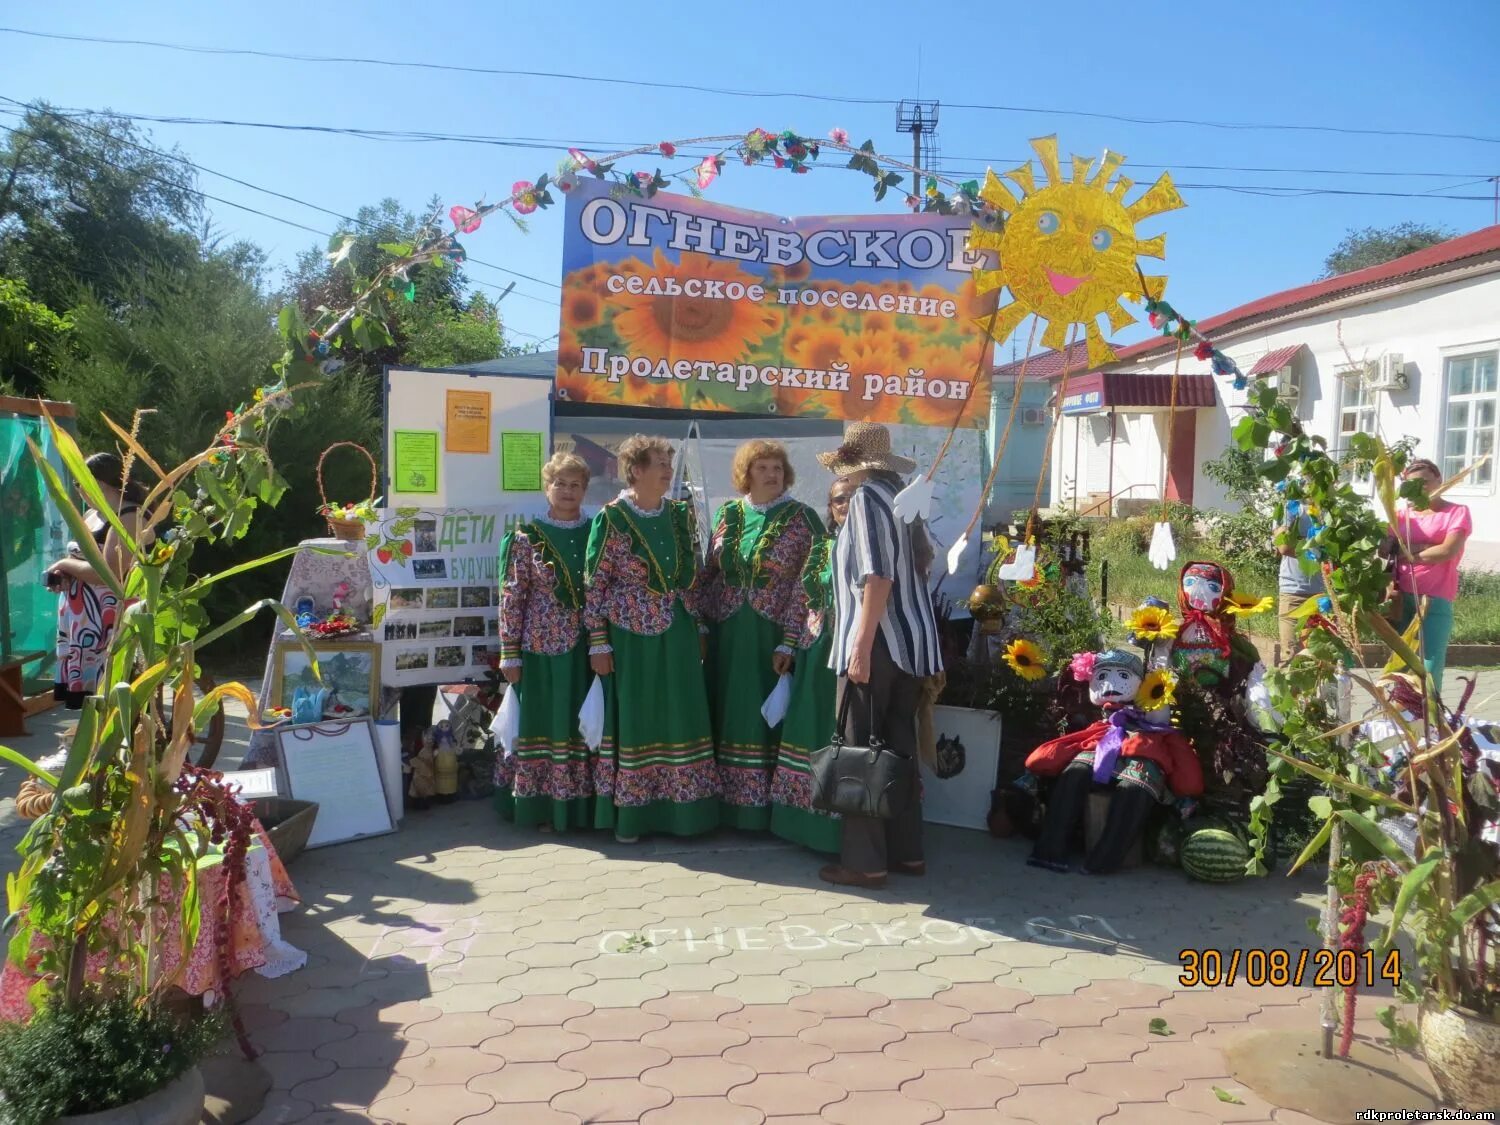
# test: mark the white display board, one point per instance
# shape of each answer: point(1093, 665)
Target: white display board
point(963, 800)
point(335, 765)
point(459, 439)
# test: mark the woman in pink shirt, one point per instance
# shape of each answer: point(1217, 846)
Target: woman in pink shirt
point(1432, 545)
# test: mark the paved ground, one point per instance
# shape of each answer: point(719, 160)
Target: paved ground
point(462, 970)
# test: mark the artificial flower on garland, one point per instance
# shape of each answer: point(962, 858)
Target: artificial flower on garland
point(1026, 660)
point(1151, 623)
point(1158, 690)
point(338, 625)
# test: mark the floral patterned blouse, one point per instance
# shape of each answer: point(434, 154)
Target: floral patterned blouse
point(541, 593)
point(757, 555)
point(639, 565)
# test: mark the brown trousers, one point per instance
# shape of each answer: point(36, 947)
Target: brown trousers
point(889, 702)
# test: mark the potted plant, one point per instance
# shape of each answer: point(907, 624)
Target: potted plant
point(1405, 798)
point(108, 889)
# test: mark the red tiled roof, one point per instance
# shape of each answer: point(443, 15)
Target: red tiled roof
point(1429, 260)
point(1048, 364)
point(1274, 361)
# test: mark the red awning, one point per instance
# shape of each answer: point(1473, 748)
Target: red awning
point(1123, 390)
point(1275, 361)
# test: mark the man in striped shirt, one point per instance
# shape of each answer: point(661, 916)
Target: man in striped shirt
point(885, 643)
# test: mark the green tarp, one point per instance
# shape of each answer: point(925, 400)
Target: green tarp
point(32, 536)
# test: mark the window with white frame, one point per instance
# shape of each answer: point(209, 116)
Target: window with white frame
point(1356, 408)
point(1471, 384)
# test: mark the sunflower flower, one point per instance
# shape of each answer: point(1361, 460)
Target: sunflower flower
point(1151, 623)
point(1241, 606)
point(1026, 659)
point(1158, 690)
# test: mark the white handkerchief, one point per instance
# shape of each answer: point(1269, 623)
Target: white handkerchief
point(507, 722)
point(773, 710)
point(591, 715)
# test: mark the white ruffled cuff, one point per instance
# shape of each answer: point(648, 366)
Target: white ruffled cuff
point(601, 650)
point(513, 662)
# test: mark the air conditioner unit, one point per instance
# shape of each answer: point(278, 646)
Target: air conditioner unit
point(1033, 416)
point(1389, 374)
point(1288, 385)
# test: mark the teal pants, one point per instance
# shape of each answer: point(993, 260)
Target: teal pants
point(1437, 627)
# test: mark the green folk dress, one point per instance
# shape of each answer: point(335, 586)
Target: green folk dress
point(810, 717)
point(654, 771)
point(752, 597)
point(549, 778)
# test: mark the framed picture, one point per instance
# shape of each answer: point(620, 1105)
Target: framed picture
point(350, 671)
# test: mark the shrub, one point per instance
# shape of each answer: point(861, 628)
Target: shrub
point(103, 1053)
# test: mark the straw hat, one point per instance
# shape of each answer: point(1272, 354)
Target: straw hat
point(867, 445)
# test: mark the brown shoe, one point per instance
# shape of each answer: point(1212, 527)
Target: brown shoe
point(915, 867)
point(842, 876)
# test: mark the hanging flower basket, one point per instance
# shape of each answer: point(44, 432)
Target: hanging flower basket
point(347, 521)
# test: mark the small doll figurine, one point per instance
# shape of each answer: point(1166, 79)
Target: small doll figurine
point(1132, 751)
point(341, 594)
point(445, 761)
point(420, 768)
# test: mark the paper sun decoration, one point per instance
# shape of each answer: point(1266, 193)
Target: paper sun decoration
point(1068, 250)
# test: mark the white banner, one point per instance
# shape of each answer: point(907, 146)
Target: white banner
point(435, 573)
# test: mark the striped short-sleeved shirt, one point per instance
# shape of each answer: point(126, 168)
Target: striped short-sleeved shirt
point(873, 543)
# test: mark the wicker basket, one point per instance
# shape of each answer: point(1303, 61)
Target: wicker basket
point(353, 530)
point(289, 823)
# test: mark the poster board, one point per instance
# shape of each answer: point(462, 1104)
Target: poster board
point(335, 764)
point(685, 303)
point(459, 439)
point(955, 496)
point(435, 573)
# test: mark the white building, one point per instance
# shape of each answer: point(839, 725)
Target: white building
point(1407, 348)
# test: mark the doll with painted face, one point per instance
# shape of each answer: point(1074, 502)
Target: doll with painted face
point(1202, 647)
point(1132, 751)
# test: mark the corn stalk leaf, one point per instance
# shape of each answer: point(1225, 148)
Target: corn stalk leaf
point(1469, 907)
point(1314, 846)
point(76, 464)
point(74, 519)
point(1376, 838)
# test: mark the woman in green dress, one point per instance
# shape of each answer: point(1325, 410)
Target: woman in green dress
point(810, 716)
point(654, 770)
point(759, 547)
point(547, 778)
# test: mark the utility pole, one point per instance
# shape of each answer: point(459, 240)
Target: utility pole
point(920, 119)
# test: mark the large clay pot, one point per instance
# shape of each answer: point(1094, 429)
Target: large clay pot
point(1461, 1048)
point(178, 1103)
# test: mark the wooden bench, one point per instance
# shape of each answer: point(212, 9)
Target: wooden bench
point(12, 699)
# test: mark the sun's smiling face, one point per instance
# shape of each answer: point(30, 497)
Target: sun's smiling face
point(1081, 247)
point(1068, 250)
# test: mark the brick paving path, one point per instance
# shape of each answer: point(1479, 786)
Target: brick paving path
point(462, 970)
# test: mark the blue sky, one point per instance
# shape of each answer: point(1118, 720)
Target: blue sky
point(1353, 63)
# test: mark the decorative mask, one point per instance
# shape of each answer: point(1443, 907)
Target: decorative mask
point(1204, 586)
point(1116, 678)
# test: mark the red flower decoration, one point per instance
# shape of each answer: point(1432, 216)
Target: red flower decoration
point(1204, 350)
point(465, 221)
point(668, 149)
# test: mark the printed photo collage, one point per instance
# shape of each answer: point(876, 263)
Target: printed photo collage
point(439, 621)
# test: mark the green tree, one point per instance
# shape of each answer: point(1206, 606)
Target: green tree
point(31, 336)
point(189, 343)
point(1360, 249)
point(437, 324)
point(84, 200)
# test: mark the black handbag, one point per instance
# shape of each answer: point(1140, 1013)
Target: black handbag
point(869, 781)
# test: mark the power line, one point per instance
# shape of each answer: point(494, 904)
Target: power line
point(553, 144)
point(726, 92)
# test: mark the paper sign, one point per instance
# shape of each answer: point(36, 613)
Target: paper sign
point(468, 426)
point(254, 783)
point(416, 460)
point(521, 461)
point(335, 765)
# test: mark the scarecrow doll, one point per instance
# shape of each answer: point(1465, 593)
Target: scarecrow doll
point(1133, 751)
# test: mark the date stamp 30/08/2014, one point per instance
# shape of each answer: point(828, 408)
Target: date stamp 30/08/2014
point(1289, 968)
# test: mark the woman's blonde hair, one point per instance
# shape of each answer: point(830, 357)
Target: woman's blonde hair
point(560, 463)
point(760, 450)
point(636, 452)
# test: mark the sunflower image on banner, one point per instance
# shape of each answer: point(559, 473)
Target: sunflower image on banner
point(676, 303)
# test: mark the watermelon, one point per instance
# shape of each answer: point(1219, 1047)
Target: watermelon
point(1214, 855)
